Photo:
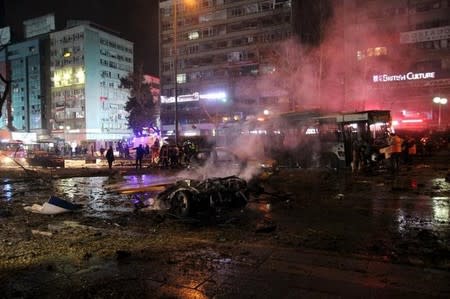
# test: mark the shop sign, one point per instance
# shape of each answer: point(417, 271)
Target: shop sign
point(425, 35)
point(410, 76)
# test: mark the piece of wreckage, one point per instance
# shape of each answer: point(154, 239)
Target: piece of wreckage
point(187, 197)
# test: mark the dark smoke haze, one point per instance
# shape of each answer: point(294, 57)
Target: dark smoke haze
point(318, 68)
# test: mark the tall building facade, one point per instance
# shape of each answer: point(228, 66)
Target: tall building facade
point(26, 65)
point(211, 52)
point(87, 103)
point(28, 71)
point(398, 58)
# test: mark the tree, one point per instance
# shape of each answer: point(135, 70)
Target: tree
point(140, 105)
point(4, 95)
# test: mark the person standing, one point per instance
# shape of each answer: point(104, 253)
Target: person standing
point(395, 143)
point(110, 156)
point(140, 151)
point(164, 156)
point(155, 152)
point(356, 156)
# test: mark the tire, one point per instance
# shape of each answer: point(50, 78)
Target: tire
point(181, 204)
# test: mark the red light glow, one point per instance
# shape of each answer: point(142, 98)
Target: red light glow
point(412, 121)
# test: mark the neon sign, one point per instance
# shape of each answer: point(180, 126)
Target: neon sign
point(403, 77)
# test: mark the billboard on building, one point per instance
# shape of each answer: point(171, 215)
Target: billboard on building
point(5, 36)
point(432, 34)
point(40, 25)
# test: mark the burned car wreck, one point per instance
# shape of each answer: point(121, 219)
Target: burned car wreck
point(190, 197)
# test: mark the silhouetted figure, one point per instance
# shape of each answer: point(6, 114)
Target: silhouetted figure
point(395, 143)
point(164, 156)
point(110, 156)
point(140, 152)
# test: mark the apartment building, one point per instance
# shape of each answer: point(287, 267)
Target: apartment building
point(28, 72)
point(65, 84)
point(86, 64)
point(398, 58)
point(211, 51)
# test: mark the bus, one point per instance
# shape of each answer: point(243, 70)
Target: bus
point(308, 139)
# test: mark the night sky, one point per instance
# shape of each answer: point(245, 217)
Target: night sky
point(136, 20)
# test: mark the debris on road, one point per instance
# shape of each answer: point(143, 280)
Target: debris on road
point(41, 233)
point(188, 197)
point(55, 205)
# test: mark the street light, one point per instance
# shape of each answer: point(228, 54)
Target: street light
point(175, 67)
point(440, 101)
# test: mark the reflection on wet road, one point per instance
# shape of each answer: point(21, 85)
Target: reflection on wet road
point(93, 192)
point(375, 207)
point(7, 191)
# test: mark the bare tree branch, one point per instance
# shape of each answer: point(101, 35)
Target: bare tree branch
point(5, 93)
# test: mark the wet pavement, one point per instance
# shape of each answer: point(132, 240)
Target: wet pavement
point(310, 233)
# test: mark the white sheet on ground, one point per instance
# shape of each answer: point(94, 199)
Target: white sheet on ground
point(46, 208)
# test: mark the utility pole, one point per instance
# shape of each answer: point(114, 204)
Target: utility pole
point(175, 67)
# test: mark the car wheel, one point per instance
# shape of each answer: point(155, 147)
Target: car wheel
point(181, 204)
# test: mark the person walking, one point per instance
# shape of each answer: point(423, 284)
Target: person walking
point(110, 156)
point(140, 151)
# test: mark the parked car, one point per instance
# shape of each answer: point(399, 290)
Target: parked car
point(45, 159)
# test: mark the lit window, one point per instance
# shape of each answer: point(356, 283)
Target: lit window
point(193, 35)
point(379, 51)
point(181, 78)
point(359, 55)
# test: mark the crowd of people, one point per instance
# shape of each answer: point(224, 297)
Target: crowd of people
point(162, 156)
point(396, 150)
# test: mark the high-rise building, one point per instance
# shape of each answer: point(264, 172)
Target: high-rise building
point(66, 84)
point(26, 65)
point(398, 58)
point(87, 103)
point(211, 53)
point(29, 84)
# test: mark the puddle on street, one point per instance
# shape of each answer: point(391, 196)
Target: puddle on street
point(7, 191)
point(425, 212)
point(91, 192)
point(406, 211)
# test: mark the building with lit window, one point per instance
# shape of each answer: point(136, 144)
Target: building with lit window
point(26, 65)
point(398, 58)
point(87, 103)
point(215, 52)
point(28, 72)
